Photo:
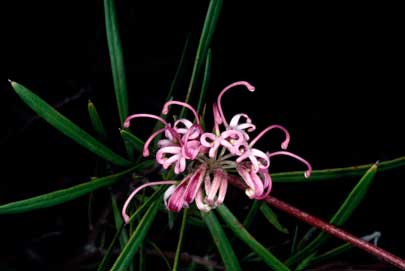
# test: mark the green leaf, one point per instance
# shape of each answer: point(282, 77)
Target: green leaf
point(66, 126)
point(132, 140)
point(175, 82)
point(63, 195)
point(249, 240)
point(210, 22)
point(107, 256)
point(180, 241)
point(272, 217)
point(304, 263)
point(373, 237)
point(119, 222)
point(127, 255)
point(341, 216)
point(96, 121)
point(334, 173)
point(147, 203)
point(206, 79)
point(251, 214)
point(221, 241)
point(330, 254)
point(160, 253)
point(116, 58)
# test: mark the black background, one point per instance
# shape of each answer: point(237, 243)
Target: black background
point(330, 73)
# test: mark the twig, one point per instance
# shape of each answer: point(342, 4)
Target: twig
point(329, 228)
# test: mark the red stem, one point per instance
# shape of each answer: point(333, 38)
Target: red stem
point(329, 228)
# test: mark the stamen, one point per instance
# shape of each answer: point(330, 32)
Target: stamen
point(285, 143)
point(166, 109)
point(124, 209)
point(244, 83)
point(309, 170)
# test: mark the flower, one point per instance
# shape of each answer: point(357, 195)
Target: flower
point(204, 158)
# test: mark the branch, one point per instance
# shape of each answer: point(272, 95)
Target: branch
point(329, 228)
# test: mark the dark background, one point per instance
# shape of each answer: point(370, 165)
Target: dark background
point(332, 74)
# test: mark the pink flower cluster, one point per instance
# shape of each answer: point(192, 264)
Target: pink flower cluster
point(206, 157)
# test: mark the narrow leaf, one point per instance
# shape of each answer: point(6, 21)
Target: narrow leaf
point(147, 203)
point(118, 222)
point(180, 241)
point(333, 253)
point(116, 58)
point(221, 241)
point(251, 214)
point(304, 263)
point(132, 140)
point(107, 256)
point(174, 84)
point(180, 67)
point(161, 254)
point(96, 121)
point(272, 217)
point(210, 22)
point(334, 173)
point(63, 195)
point(205, 83)
point(346, 209)
point(66, 126)
point(127, 255)
point(249, 240)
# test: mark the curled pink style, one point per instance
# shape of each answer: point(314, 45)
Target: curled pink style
point(239, 83)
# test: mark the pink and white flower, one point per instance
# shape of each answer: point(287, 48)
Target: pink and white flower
point(204, 158)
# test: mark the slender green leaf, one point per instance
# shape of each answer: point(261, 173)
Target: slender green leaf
point(330, 254)
point(195, 222)
point(136, 240)
point(66, 126)
point(221, 241)
point(272, 217)
point(251, 214)
point(132, 140)
point(175, 82)
point(295, 239)
point(306, 238)
point(346, 209)
point(147, 203)
point(249, 240)
point(180, 242)
point(304, 263)
point(63, 195)
point(116, 58)
point(334, 173)
point(96, 121)
point(345, 247)
point(141, 262)
point(210, 22)
point(205, 83)
point(107, 256)
point(161, 254)
point(118, 222)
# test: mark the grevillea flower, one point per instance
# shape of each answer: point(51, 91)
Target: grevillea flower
point(203, 159)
